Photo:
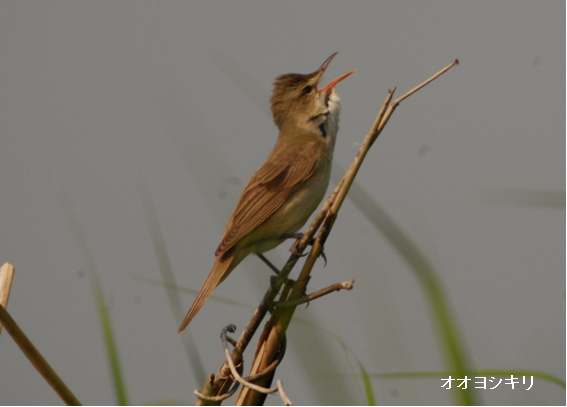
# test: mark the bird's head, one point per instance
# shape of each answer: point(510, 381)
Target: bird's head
point(297, 102)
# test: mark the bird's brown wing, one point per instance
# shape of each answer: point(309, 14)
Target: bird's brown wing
point(269, 188)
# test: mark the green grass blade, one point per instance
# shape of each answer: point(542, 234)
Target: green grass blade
point(106, 325)
point(452, 346)
point(111, 348)
point(170, 285)
point(371, 401)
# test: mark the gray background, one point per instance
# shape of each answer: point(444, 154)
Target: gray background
point(97, 98)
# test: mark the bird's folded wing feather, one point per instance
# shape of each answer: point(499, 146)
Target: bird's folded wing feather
point(268, 189)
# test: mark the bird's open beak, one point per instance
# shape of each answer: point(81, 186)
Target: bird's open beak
point(329, 87)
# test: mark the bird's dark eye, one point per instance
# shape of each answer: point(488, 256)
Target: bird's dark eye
point(306, 90)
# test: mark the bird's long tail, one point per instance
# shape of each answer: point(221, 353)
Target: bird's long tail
point(220, 271)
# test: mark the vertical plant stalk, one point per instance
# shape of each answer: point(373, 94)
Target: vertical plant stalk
point(168, 277)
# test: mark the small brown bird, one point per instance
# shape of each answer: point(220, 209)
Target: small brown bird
point(288, 187)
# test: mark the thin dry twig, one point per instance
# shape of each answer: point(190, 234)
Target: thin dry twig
point(286, 400)
point(427, 82)
point(345, 285)
point(216, 399)
point(240, 379)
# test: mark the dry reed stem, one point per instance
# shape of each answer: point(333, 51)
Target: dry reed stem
point(6, 277)
point(37, 360)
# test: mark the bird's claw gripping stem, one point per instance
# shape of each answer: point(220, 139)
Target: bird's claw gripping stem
point(294, 250)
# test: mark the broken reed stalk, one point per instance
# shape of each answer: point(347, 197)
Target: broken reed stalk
point(6, 277)
point(37, 360)
point(274, 331)
point(33, 355)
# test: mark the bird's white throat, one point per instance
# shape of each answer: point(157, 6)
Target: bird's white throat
point(331, 124)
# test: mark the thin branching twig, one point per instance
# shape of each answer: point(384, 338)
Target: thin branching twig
point(345, 285)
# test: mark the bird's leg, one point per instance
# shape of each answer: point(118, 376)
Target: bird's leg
point(268, 263)
point(293, 248)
